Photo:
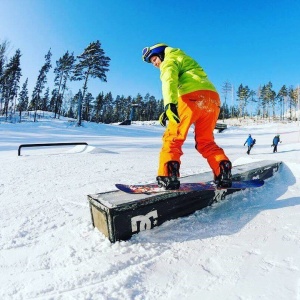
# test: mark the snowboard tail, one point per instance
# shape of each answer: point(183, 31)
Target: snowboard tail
point(187, 187)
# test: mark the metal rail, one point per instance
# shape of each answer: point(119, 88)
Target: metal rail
point(47, 145)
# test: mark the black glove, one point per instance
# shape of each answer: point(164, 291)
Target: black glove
point(170, 114)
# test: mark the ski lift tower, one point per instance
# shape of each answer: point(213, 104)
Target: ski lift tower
point(132, 114)
point(133, 109)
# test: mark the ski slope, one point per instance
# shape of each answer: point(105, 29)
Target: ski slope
point(246, 247)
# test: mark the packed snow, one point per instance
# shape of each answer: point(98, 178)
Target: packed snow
point(244, 247)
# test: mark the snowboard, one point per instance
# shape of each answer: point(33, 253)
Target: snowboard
point(187, 187)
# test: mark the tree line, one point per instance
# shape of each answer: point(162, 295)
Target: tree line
point(93, 63)
point(265, 102)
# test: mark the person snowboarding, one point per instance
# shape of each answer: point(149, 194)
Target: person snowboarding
point(250, 143)
point(276, 141)
point(189, 98)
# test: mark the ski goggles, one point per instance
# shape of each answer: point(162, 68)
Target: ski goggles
point(146, 53)
point(149, 51)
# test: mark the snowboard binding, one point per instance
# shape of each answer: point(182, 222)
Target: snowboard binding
point(170, 182)
point(224, 179)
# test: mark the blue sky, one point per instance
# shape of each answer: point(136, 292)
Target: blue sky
point(248, 42)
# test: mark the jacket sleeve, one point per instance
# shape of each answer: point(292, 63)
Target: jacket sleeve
point(169, 77)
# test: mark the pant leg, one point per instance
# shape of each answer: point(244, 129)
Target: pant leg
point(174, 137)
point(202, 109)
point(206, 109)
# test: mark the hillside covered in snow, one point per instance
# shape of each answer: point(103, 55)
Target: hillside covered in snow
point(245, 247)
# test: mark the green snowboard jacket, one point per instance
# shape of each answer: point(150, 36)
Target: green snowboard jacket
point(180, 75)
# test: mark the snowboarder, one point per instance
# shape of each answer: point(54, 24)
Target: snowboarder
point(189, 98)
point(250, 143)
point(276, 141)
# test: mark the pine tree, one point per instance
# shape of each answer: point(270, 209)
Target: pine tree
point(23, 99)
point(87, 107)
point(10, 81)
point(264, 101)
point(293, 99)
point(108, 108)
point(128, 108)
point(281, 96)
point(253, 100)
point(98, 108)
point(243, 94)
point(118, 109)
point(45, 101)
point(3, 48)
point(157, 110)
point(78, 100)
point(270, 96)
point(53, 100)
point(40, 83)
point(75, 103)
point(92, 63)
point(138, 101)
point(64, 67)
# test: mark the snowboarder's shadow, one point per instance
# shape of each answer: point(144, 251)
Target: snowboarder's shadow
point(228, 216)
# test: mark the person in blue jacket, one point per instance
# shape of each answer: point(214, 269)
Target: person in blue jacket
point(250, 143)
point(276, 141)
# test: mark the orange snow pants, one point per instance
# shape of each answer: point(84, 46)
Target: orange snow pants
point(202, 109)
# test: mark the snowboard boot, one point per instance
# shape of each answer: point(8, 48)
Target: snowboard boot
point(224, 179)
point(171, 181)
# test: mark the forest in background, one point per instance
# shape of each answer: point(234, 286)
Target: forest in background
point(15, 101)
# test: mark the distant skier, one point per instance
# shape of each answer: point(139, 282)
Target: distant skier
point(276, 141)
point(250, 143)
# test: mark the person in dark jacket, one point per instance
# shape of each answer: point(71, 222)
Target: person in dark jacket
point(276, 141)
point(250, 143)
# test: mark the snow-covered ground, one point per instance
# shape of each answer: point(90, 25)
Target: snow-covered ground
point(245, 247)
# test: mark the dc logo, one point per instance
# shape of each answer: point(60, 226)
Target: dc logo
point(147, 222)
point(219, 195)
